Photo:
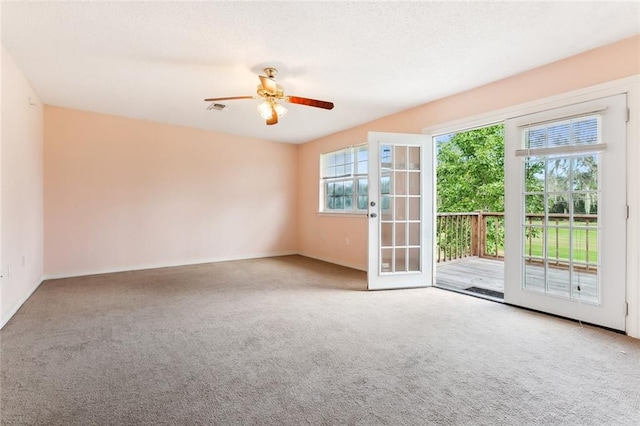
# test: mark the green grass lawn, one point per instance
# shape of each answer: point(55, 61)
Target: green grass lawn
point(555, 250)
point(534, 245)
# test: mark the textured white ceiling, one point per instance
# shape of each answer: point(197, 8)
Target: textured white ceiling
point(158, 61)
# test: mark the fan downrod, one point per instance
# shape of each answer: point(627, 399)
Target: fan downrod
point(270, 72)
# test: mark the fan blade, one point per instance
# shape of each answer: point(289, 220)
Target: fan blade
point(274, 117)
point(230, 98)
point(309, 102)
point(268, 84)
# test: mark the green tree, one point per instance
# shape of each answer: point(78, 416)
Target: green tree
point(471, 171)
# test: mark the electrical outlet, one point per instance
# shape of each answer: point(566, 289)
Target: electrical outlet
point(346, 241)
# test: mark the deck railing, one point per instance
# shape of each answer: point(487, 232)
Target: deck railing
point(481, 234)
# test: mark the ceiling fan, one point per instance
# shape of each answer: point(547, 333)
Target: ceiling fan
point(271, 92)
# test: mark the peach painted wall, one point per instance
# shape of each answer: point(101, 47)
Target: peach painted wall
point(324, 237)
point(123, 194)
point(21, 186)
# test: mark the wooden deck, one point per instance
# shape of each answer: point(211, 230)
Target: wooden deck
point(461, 275)
point(471, 272)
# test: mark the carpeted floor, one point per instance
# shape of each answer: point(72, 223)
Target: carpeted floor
point(293, 341)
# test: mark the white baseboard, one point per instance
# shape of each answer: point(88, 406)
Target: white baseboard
point(335, 261)
point(6, 317)
point(164, 265)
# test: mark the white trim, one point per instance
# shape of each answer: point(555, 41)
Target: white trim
point(557, 150)
point(7, 317)
point(575, 116)
point(633, 221)
point(609, 88)
point(335, 262)
point(165, 265)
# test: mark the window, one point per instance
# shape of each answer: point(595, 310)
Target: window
point(343, 180)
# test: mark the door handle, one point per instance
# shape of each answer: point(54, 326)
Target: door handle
point(373, 215)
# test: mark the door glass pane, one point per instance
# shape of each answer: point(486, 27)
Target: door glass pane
point(414, 158)
point(534, 241)
point(414, 208)
point(386, 157)
point(401, 234)
point(585, 173)
point(558, 245)
point(401, 257)
point(414, 234)
point(401, 183)
point(585, 246)
point(414, 183)
point(534, 204)
point(586, 130)
point(385, 183)
point(559, 134)
point(558, 174)
point(584, 286)
point(558, 204)
point(534, 174)
point(386, 236)
point(534, 275)
point(559, 280)
point(386, 258)
point(414, 259)
point(401, 158)
point(401, 208)
point(386, 213)
point(585, 204)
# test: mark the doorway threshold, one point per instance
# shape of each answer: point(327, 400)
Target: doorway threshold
point(473, 276)
point(493, 298)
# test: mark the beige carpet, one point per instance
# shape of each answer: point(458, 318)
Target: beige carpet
point(293, 341)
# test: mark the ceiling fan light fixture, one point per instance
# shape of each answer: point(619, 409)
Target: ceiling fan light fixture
point(280, 110)
point(264, 109)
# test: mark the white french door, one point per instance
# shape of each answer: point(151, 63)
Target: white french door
point(565, 211)
point(400, 211)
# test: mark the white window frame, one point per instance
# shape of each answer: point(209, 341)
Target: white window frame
point(354, 176)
